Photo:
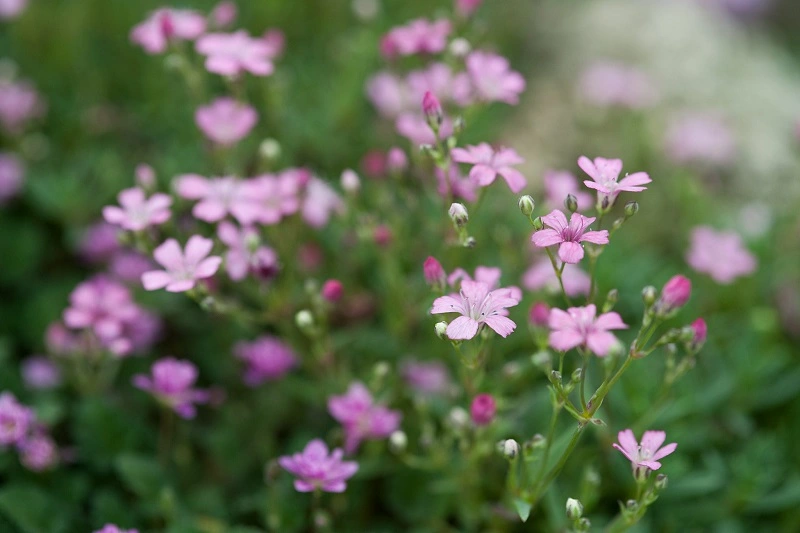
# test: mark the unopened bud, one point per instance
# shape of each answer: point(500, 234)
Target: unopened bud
point(574, 509)
point(304, 319)
point(269, 149)
point(539, 315)
point(576, 375)
point(555, 376)
point(145, 177)
point(583, 524)
point(537, 223)
point(332, 290)
point(611, 300)
point(661, 482)
point(510, 449)
point(674, 295)
point(458, 214)
point(470, 242)
point(441, 329)
point(460, 47)
point(700, 333)
point(571, 203)
point(542, 360)
point(458, 125)
point(617, 224)
point(381, 370)
point(458, 417)
point(631, 208)
point(649, 294)
point(398, 442)
point(632, 505)
point(526, 205)
point(433, 110)
point(350, 181)
point(537, 441)
point(396, 160)
point(434, 273)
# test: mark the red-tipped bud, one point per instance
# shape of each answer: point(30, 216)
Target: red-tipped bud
point(434, 273)
point(674, 295)
point(539, 314)
point(432, 109)
point(332, 290)
point(483, 409)
point(700, 333)
point(167, 26)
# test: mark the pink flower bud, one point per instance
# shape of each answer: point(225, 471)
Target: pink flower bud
point(432, 109)
point(167, 26)
point(675, 294)
point(700, 333)
point(332, 290)
point(434, 273)
point(145, 176)
point(374, 164)
point(396, 160)
point(382, 235)
point(483, 409)
point(224, 14)
point(539, 314)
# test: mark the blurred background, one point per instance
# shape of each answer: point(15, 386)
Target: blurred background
point(704, 95)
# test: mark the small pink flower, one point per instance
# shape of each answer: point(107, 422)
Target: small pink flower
point(231, 54)
point(568, 235)
point(477, 305)
point(320, 204)
point(275, 196)
point(438, 79)
point(275, 41)
point(332, 290)
point(226, 121)
point(19, 103)
point(416, 129)
point(608, 83)
point(540, 276)
point(720, 254)
point(11, 175)
point(267, 358)
point(38, 452)
point(113, 528)
point(40, 373)
point(454, 184)
point(488, 163)
point(165, 24)
point(700, 330)
point(172, 384)
point(700, 138)
point(539, 315)
point(648, 452)
point(466, 7)
point(388, 93)
point(15, 420)
point(361, 417)
point(317, 470)
point(136, 211)
point(427, 378)
point(492, 78)
point(674, 295)
point(224, 14)
point(483, 409)
point(10, 9)
point(99, 243)
point(604, 174)
point(245, 253)
point(396, 160)
point(577, 326)
point(218, 198)
point(558, 184)
point(145, 176)
point(182, 268)
point(434, 273)
point(488, 275)
point(417, 37)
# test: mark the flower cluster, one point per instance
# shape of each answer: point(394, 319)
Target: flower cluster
point(20, 429)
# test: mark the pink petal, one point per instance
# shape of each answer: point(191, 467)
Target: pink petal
point(448, 304)
point(566, 339)
point(155, 279)
point(652, 465)
point(560, 319)
point(630, 446)
point(597, 237)
point(180, 285)
point(114, 215)
point(192, 186)
point(665, 451)
point(516, 181)
point(169, 255)
point(334, 486)
point(556, 220)
point(483, 175)
point(207, 267)
point(197, 248)
point(635, 179)
point(462, 328)
point(546, 237)
point(587, 166)
point(570, 252)
point(652, 440)
point(303, 486)
point(610, 321)
point(624, 452)
point(501, 325)
point(209, 211)
point(596, 186)
point(600, 342)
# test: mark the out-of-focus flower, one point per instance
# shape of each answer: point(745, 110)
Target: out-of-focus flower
point(350, 181)
point(182, 268)
point(578, 326)
point(604, 173)
point(231, 54)
point(416, 129)
point(488, 275)
point(488, 163)
point(648, 452)
point(609, 83)
point(560, 183)
point(245, 253)
point(466, 7)
point(720, 254)
point(11, 174)
point(136, 211)
point(674, 295)
point(361, 417)
point(454, 184)
point(145, 176)
point(434, 273)
point(432, 109)
point(19, 103)
point(171, 383)
point(569, 236)
point(226, 121)
point(540, 276)
point(482, 409)
point(113, 528)
point(700, 138)
point(426, 377)
point(419, 36)
point(217, 198)
point(477, 305)
point(332, 290)
point(39, 372)
point(38, 452)
point(224, 14)
point(129, 265)
point(539, 314)
point(317, 470)
point(10, 9)
point(15, 420)
point(320, 203)
point(382, 235)
point(276, 196)
point(492, 78)
point(388, 94)
point(396, 160)
point(267, 359)
point(275, 41)
point(166, 24)
point(99, 242)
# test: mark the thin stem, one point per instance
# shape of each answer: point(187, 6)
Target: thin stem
point(548, 444)
point(558, 272)
point(583, 379)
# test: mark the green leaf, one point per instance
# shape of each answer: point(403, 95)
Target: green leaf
point(33, 510)
point(142, 475)
point(523, 509)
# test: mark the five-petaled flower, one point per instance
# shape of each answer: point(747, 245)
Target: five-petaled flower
point(172, 383)
point(569, 235)
point(605, 173)
point(477, 305)
point(137, 212)
point(648, 452)
point(182, 268)
point(316, 469)
point(361, 417)
point(230, 54)
point(225, 121)
point(577, 326)
point(488, 163)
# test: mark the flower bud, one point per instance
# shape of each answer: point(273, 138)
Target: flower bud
point(396, 160)
point(470, 242)
point(574, 509)
point(526, 205)
point(539, 314)
point(223, 14)
point(631, 208)
point(432, 109)
point(441, 328)
point(510, 449)
point(434, 273)
point(661, 482)
point(583, 524)
point(350, 181)
point(332, 290)
point(381, 370)
point(576, 375)
point(542, 360)
point(458, 214)
point(483, 409)
point(555, 376)
point(145, 177)
point(304, 319)
point(571, 203)
point(649, 295)
point(457, 417)
point(382, 235)
point(269, 149)
point(611, 300)
point(632, 505)
point(674, 295)
point(398, 442)
point(458, 125)
point(537, 223)
point(700, 330)
point(460, 47)
point(536, 442)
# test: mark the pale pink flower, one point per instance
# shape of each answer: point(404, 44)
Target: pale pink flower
point(605, 172)
point(15, 420)
point(113, 528)
point(396, 160)
point(275, 41)
point(172, 384)
point(317, 470)
point(388, 93)
point(361, 417)
point(700, 138)
point(540, 276)
point(145, 176)
point(163, 25)
point(539, 314)
point(218, 198)
point(231, 54)
point(182, 268)
point(569, 236)
point(492, 78)
point(426, 378)
point(99, 242)
point(417, 37)
point(129, 265)
point(40, 373)
point(136, 211)
point(10, 9)
point(560, 183)
point(488, 275)
point(438, 78)
point(488, 163)
point(648, 452)
point(455, 184)
point(224, 14)
point(276, 197)
point(466, 7)
point(320, 203)
point(226, 121)
point(720, 254)
point(477, 305)
point(38, 452)
point(416, 129)
point(245, 253)
point(267, 358)
point(19, 103)
point(11, 174)
point(608, 83)
point(578, 326)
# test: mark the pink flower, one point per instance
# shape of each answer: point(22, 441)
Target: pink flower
point(648, 452)
point(224, 14)
point(10, 9)
point(466, 7)
point(15, 420)
point(332, 290)
point(477, 305)
point(607, 83)
point(388, 94)
point(267, 358)
point(700, 138)
point(99, 243)
point(361, 417)
point(674, 295)
point(19, 103)
point(396, 160)
point(317, 470)
point(416, 129)
point(539, 314)
point(720, 254)
point(456, 185)
point(488, 163)
point(182, 267)
point(145, 176)
point(11, 174)
point(172, 384)
point(128, 265)
point(434, 273)
point(541, 276)
point(488, 275)
point(568, 235)
point(226, 121)
point(40, 373)
point(426, 378)
point(275, 196)
point(604, 173)
point(38, 452)
point(492, 79)
point(320, 204)
point(138, 212)
point(166, 24)
point(218, 198)
point(417, 37)
point(700, 330)
point(231, 54)
point(483, 409)
point(245, 253)
point(275, 41)
point(577, 326)
point(558, 184)
point(437, 79)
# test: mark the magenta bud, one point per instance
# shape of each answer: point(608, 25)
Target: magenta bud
point(167, 26)
point(434, 273)
point(700, 333)
point(674, 295)
point(332, 290)
point(539, 314)
point(483, 409)
point(382, 235)
point(432, 109)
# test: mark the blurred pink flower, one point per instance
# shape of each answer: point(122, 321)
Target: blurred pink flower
point(19, 103)
point(245, 253)
point(231, 54)
point(320, 203)
point(267, 359)
point(171, 383)
point(218, 197)
point(396, 160)
point(609, 83)
point(700, 330)
point(648, 452)
point(11, 175)
point(456, 185)
point(426, 377)
point(275, 41)
point(560, 183)
point(138, 212)
point(15, 420)
point(361, 417)
point(540, 276)
point(477, 305)
point(700, 138)
point(577, 326)
point(40, 373)
point(467, 7)
point(113, 528)
point(604, 173)
point(38, 452)
point(129, 265)
point(224, 14)
point(720, 254)
point(275, 196)
point(165, 24)
point(10, 9)
point(488, 275)
point(332, 290)
point(568, 235)
point(183, 268)
point(417, 37)
point(482, 409)
point(388, 94)
point(434, 273)
point(317, 470)
point(226, 121)
point(416, 129)
point(492, 78)
point(488, 163)
point(99, 242)
point(539, 314)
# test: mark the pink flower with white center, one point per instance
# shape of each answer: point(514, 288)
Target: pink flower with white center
point(38, 452)
point(540, 276)
point(231, 54)
point(224, 14)
point(276, 197)
point(267, 359)
point(361, 417)
point(608, 83)
point(700, 138)
point(417, 37)
point(317, 470)
point(569, 236)
point(320, 203)
point(492, 78)
point(15, 420)
point(10, 9)
point(105, 307)
point(182, 268)
point(171, 383)
point(488, 275)
point(136, 211)
point(226, 121)
point(218, 198)
point(488, 163)
point(604, 174)
point(558, 184)
point(646, 454)
point(720, 254)
point(455, 184)
point(577, 326)
point(11, 174)
point(245, 253)
point(477, 304)
point(19, 103)
point(166, 24)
